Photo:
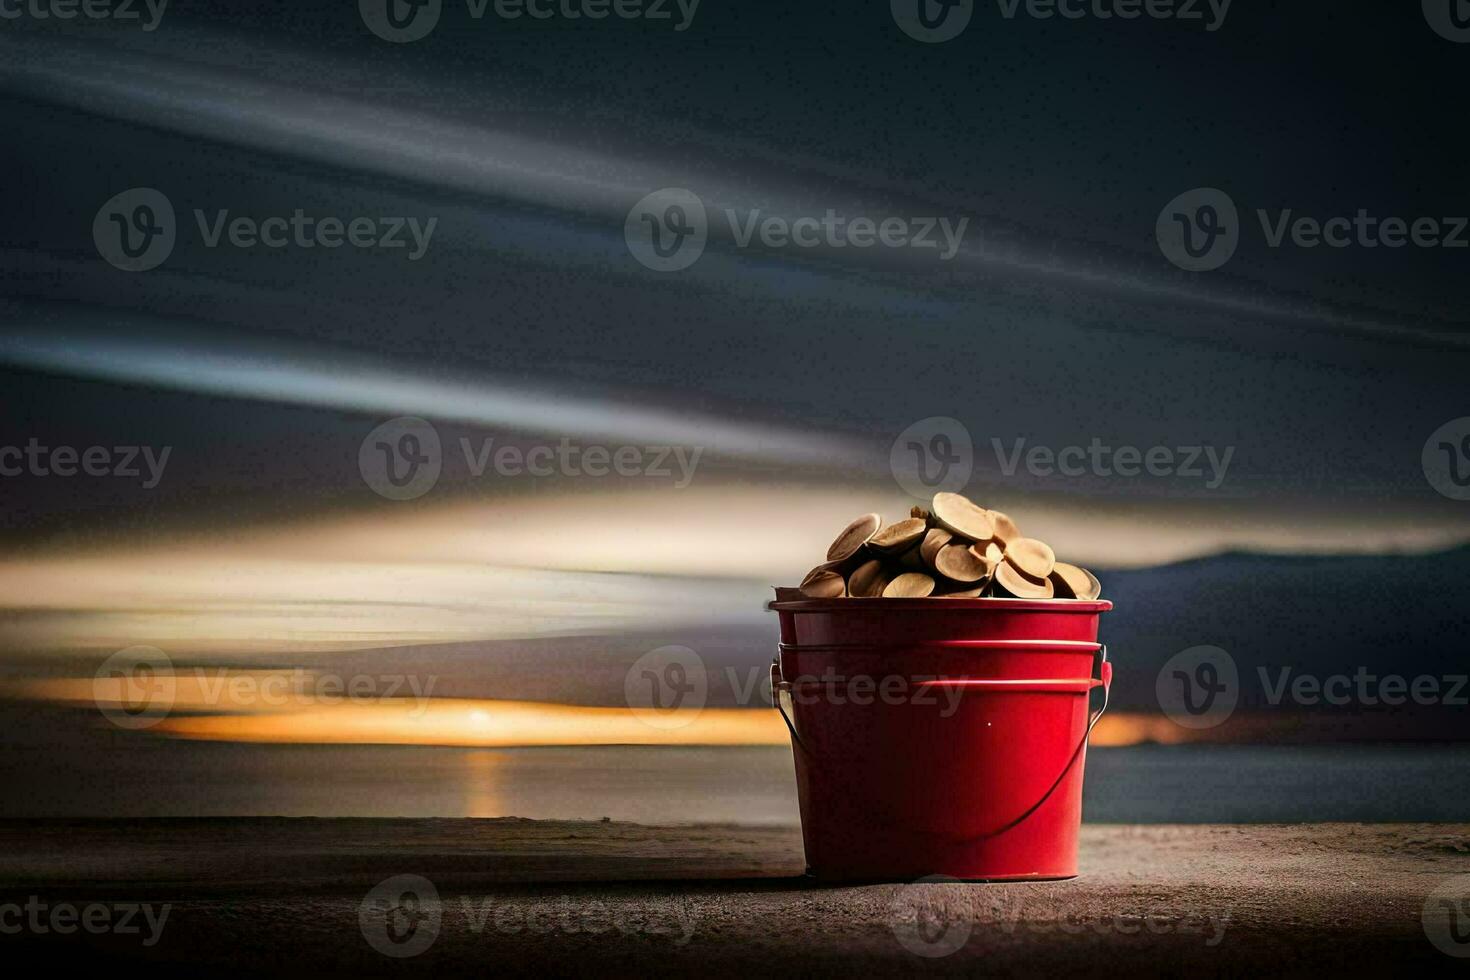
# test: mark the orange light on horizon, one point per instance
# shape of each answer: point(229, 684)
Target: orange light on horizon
point(209, 711)
point(489, 724)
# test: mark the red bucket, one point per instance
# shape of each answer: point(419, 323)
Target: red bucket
point(940, 736)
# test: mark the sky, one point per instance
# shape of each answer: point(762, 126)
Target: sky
point(779, 381)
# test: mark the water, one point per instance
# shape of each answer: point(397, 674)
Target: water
point(1145, 784)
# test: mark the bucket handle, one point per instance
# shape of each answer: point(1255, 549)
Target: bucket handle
point(1104, 669)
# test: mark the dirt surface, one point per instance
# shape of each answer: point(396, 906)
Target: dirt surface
point(520, 897)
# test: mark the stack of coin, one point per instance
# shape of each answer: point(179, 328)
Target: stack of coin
point(955, 549)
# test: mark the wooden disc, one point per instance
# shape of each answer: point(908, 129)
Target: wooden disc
point(974, 593)
point(1072, 582)
point(1020, 586)
point(919, 512)
point(909, 585)
point(960, 563)
point(853, 537)
point(934, 539)
point(823, 583)
point(868, 580)
point(898, 537)
point(1005, 528)
point(1033, 557)
point(963, 516)
point(992, 551)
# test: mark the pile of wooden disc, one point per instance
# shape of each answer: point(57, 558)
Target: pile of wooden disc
point(954, 550)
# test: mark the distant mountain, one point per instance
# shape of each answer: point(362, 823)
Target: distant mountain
point(1322, 616)
point(1406, 615)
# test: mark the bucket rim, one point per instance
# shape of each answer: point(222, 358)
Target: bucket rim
point(994, 685)
point(932, 604)
point(1026, 645)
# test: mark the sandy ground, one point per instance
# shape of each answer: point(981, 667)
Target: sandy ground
point(520, 897)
